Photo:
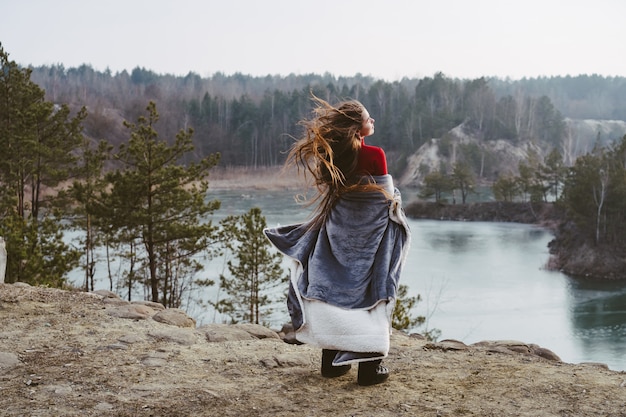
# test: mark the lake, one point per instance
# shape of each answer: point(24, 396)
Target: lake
point(486, 281)
point(478, 281)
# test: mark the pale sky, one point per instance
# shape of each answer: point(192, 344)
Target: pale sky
point(386, 39)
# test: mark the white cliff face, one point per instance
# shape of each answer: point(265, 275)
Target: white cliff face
point(505, 155)
point(425, 160)
point(582, 134)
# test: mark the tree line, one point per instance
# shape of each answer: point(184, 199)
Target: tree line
point(141, 205)
point(251, 120)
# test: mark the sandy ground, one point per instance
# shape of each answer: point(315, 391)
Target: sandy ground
point(63, 354)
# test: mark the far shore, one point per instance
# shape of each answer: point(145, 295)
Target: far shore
point(262, 178)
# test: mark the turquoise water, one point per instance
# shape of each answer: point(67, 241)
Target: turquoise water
point(478, 281)
point(486, 281)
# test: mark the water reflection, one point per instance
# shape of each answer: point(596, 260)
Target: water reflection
point(452, 241)
point(488, 282)
point(598, 315)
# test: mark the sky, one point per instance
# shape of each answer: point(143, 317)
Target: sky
point(385, 39)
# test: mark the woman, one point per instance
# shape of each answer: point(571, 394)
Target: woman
point(348, 257)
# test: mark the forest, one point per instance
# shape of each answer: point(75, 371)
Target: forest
point(123, 159)
point(251, 121)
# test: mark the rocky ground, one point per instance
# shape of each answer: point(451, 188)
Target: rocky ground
point(66, 353)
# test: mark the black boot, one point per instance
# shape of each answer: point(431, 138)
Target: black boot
point(330, 371)
point(372, 373)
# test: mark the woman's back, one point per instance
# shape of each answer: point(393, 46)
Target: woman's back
point(371, 161)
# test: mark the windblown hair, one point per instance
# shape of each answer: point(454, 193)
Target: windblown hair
point(329, 150)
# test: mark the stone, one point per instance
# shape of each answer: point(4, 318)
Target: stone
point(601, 366)
point(175, 317)
point(269, 363)
point(129, 339)
point(152, 362)
point(181, 336)
point(291, 360)
point(131, 311)
point(115, 302)
point(451, 344)
point(258, 331)
point(224, 333)
point(9, 361)
point(106, 294)
point(544, 353)
point(104, 406)
point(151, 304)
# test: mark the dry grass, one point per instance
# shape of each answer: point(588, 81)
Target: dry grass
point(262, 178)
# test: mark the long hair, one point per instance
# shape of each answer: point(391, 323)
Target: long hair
point(329, 150)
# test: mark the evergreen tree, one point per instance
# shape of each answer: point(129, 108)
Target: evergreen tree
point(158, 204)
point(505, 188)
point(586, 191)
point(554, 171)
point(463, 180)
point(402, 318)
point(86, 192)
point(38, 140)
point(435, 185)
point(256, 272)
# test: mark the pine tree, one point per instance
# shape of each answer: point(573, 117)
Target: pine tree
point(86, 192)
point(402, 318)
point(38, 139)
point(256, 272)
point(159, 205)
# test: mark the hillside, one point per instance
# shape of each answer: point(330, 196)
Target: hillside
point(503, 156)
point(82, 354)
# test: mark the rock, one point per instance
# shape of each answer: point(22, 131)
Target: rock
point(258, 331)
point(508, 346)
point(153, 362)
point(131, 311)
point(224, 333)
point(106, 294)
point(79, 367)
point(291, 360)
point(109, 301)
point(181, 336)
point(103, 407)
point(269, 363)
point(59, 390)
point(545, 353)
point(129, 339)
point(500, 345)
point(446, 345)
point(8, 361)
point(151, 304)
point(599, 365)
point(175, 317)
point(115, 346)
point(450, 344)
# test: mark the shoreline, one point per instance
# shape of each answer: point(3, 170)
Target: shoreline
point(545, 215)
point(263, 178)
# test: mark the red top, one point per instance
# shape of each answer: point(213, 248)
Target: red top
point(372, 160)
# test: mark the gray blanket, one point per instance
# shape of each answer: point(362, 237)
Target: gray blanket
point(354, 259)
